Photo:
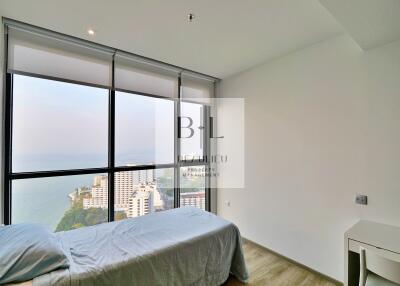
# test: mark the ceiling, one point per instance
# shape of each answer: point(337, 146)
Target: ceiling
point(226, 37)
point(371, 23)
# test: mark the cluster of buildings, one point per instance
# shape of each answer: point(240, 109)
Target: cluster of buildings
point(136, 194)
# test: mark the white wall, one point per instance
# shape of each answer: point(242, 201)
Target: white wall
point(321, 125)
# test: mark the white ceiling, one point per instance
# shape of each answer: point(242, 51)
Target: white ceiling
point(228, 36)
point(371, 23)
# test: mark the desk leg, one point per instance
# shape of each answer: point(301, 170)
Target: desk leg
point(353, 268)
point(346, 261)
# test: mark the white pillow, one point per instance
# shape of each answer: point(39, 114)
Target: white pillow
point(27, 251)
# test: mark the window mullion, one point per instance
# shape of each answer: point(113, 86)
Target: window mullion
point(7, 164)
point(111, 145)
point(207, 154)
point(177, 149)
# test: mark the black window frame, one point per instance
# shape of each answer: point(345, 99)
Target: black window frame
point(111, 169)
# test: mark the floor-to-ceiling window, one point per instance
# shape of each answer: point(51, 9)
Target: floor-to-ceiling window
point(93, 134)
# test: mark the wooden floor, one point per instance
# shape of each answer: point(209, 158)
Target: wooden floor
point(268, 269)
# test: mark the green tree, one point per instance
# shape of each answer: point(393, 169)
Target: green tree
point(119, 215)
point(77, 217)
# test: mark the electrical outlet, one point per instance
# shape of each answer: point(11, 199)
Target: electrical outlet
point(361, 199)
point(228, 203)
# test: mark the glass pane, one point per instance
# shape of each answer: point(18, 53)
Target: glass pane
point(192, 131)
point(144, 130)
point(193, 186)
point(58, 125)
point(141, 192)
point(61, 203)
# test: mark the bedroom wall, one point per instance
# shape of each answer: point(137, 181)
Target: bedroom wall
point(321, 125)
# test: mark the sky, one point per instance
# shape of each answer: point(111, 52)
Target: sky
point(58, 125)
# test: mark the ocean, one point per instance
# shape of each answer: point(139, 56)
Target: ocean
point(45, 200)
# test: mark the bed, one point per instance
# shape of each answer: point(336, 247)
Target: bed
point(183, 246)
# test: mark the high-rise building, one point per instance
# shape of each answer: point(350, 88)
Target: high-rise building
point(143, 177)
point(123, 189)
point(141, 201)
point(99, 194)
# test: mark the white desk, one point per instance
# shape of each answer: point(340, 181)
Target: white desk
point(381, 238)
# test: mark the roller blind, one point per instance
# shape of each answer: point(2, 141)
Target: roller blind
point(41, 54)
point(135, 74)
point(196, 89)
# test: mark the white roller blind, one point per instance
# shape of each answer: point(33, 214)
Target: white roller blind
point(41, 54)
point(196, 89)
point(134, 74)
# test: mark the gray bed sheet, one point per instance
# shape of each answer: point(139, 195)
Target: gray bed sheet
point(183, 246)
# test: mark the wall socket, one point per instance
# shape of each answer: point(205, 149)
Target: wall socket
point(361, 199)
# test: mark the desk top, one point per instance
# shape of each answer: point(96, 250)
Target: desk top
point(376, 234)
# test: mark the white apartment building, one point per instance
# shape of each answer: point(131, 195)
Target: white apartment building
point(194, 199)
point(123, 189)
point(157, 199)
point(141, 201)
point(99, 194)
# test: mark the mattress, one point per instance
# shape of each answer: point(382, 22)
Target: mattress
point(183, 246)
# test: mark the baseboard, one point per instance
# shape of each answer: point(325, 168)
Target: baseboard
point(333, 280)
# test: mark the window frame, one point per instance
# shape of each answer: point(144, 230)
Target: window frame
point(111, 169)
